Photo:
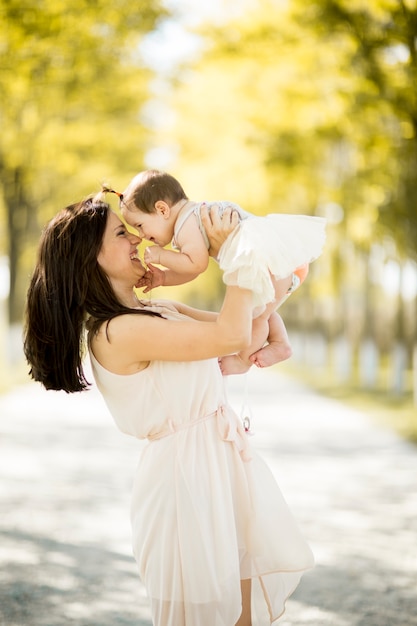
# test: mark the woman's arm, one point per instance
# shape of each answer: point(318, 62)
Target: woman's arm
point(196, 314)
point(133, 340)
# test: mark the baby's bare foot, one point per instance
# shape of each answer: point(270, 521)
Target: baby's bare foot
point(270, 354)
point(233, 364)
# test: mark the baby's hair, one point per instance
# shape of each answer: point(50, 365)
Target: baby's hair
point(150, 186)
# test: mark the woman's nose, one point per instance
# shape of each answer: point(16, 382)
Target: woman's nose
point(135, 239)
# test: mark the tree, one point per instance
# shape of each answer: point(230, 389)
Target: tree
point(72, 85)
point(382, 34)
point(309, 108)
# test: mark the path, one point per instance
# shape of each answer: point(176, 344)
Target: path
point(65, 479)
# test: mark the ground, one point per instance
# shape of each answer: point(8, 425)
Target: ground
point(65, 481)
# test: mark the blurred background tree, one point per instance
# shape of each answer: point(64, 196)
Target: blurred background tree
point(72, 84)
point(311, 108)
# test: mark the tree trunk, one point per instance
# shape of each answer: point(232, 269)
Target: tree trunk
point(20, 217)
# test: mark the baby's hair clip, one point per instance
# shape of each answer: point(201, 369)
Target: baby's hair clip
point(117, 193)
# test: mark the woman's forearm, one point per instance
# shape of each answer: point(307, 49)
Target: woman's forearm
point(189, 339)
point(235, 318)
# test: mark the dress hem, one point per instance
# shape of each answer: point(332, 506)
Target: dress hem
point(266, 595)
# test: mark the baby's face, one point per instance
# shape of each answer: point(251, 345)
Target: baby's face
point(155, 227)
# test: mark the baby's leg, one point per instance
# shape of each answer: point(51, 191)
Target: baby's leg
point(278, 347)
point(283, 290)
point(240, 363)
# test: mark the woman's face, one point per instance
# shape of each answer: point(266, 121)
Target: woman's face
point(118, 256)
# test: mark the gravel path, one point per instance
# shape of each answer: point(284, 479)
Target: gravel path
point(65, 481)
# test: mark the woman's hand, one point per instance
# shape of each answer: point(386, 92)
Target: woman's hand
point(217, 227)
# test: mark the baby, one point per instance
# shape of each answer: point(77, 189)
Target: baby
point(269, 255)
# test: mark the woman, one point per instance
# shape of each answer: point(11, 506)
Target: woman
point(207, 515)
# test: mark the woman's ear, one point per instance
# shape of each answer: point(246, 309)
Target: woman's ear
point(162, 208)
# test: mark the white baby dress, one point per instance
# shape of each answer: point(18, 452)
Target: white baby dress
point(260, 246)
point(206, 510)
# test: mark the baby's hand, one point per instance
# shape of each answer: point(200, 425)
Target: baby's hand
point(154, 277)
point(152, 254)
point(145, 282)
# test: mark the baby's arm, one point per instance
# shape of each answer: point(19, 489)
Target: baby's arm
point(189, 262)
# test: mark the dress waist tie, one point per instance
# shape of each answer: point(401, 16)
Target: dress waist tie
point(229, 427)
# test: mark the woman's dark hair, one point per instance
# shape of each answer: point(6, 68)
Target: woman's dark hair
point(68, 287)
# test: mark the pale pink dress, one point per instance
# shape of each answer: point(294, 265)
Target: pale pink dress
point(206, 510)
